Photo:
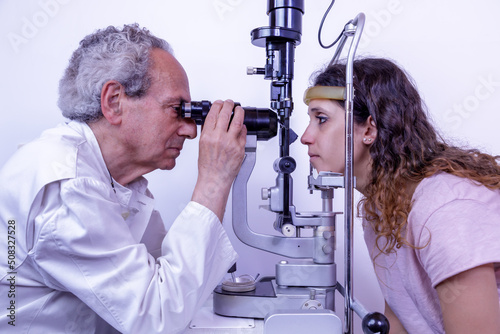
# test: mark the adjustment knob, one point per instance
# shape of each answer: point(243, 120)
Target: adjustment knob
point(288, 230)
point(255, 70)
point(327, 249)
point(375, 322)
point(265, 193)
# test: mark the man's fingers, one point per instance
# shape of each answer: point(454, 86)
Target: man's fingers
point(237, 122)
point(211, 119)
point(224, 116)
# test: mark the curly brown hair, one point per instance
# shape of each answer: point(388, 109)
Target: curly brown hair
point(407, 148)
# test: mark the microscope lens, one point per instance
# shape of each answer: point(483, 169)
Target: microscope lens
point(261, 122)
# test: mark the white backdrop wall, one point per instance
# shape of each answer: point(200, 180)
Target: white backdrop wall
point(451, 48)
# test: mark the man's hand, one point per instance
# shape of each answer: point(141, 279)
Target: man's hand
point(222, 149)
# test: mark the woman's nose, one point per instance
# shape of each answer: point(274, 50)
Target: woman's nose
point(307, 137)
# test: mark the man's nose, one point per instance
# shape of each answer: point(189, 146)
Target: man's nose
point(188, 128)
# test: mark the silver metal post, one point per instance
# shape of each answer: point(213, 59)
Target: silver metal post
point(357, 29)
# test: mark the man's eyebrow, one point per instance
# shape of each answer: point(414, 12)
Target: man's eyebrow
point(172, 100)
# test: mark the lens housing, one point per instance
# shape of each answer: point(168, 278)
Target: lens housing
point(262, 122)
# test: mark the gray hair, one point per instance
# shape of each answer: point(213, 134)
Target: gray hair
point(108, 54)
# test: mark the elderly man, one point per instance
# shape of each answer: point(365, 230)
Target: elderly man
point(87, 252)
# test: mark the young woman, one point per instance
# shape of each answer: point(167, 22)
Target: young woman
point(431, 211)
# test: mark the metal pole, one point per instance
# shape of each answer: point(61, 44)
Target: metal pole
point(355, 28)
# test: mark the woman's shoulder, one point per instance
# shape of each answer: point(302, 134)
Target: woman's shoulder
point(446, 190)
point(444, 187)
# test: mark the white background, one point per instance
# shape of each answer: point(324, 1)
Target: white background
point(451, 49)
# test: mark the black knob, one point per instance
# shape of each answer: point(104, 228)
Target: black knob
point(375, 322)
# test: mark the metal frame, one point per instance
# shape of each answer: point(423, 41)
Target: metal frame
point(280, 42)
point(354, 29)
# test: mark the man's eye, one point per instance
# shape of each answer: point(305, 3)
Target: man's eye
point(175, 109)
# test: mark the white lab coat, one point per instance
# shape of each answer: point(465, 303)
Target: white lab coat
point(88, 255)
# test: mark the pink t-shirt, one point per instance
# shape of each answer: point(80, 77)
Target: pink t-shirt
point(458, 222)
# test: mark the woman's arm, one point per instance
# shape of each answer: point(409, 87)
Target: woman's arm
point(396, 327)
point(469, 301)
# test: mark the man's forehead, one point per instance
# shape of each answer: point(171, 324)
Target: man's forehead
point(164, 66)
point(167, 73)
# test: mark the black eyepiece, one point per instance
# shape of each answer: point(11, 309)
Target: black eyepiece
point(259, 121)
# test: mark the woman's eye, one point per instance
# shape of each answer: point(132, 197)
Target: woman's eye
point(321, 119)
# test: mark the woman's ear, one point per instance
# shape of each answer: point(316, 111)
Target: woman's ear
point(369, 131)
point(112, 94)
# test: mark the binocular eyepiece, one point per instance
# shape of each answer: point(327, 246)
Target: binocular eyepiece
point(259, 121)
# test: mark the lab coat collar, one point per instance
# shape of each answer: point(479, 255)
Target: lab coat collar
point(137, 201)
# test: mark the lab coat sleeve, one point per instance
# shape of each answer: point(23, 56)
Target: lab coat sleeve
point(85, 247)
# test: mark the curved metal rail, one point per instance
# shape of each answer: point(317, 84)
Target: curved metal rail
point(353, 29)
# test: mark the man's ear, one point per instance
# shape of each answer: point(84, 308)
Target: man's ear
point(112, 94)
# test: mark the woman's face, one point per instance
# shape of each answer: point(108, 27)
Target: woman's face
point(325, 139)
point(325, 135)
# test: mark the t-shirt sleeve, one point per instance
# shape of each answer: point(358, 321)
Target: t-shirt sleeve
point(460, 235)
